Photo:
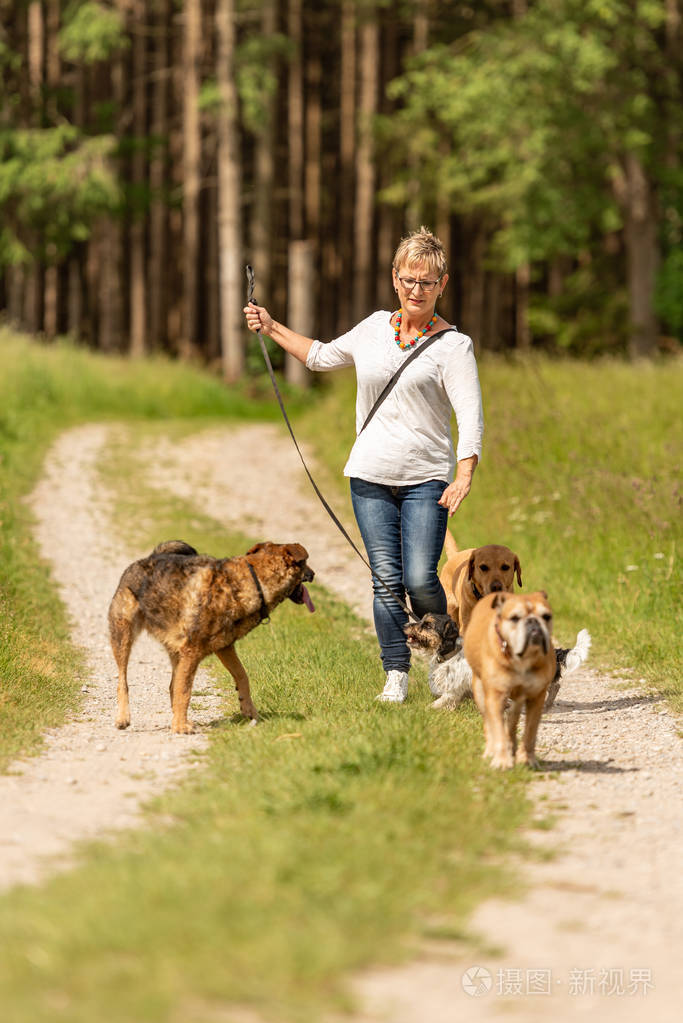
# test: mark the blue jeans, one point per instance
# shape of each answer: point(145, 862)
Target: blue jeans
point(403, 530)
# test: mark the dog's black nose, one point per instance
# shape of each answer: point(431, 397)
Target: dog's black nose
point(496, 586)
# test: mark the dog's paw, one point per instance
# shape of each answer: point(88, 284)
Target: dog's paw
point(123, 722)
point(526, 760)
point(184, 728)
point(503, 761)
point(444, 702)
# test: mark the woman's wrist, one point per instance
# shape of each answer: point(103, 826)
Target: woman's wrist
point(465, 469)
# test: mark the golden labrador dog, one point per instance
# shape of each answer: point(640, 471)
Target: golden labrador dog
point(508, 644)
point(470, 575)
point(196, 605)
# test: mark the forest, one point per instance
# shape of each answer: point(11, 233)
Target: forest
point(150, 149)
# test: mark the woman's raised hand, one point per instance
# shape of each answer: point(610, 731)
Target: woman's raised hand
point(258, 318)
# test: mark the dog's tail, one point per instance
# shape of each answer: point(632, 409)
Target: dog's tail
point(450, 544)
point(568, 660)
point(174, 547)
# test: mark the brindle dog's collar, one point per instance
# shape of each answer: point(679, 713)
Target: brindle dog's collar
point(475, 591)
point(263, 610)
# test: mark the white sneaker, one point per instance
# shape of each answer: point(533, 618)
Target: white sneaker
point(395, 688)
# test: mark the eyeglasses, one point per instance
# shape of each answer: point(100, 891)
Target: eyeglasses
point(410, 282)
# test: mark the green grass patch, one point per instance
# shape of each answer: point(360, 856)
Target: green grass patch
point(580, 476)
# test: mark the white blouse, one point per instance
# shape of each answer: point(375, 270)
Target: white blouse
point(408, 440)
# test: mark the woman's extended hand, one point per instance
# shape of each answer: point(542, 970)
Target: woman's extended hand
point(456, 492)
point(258, 318)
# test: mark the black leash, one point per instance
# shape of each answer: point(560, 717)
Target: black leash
point(340, 527)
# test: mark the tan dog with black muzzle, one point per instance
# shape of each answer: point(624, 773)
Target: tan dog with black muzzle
point(508, 645)
point(472, 574)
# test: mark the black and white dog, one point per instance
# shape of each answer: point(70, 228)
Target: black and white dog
point(450, 676)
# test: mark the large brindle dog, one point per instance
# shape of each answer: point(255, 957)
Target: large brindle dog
point(196, 605)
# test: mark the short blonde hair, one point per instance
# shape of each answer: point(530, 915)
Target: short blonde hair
point(421, 247)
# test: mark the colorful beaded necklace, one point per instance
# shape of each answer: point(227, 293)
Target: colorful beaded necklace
point(413, 341)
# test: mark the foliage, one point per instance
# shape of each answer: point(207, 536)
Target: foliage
point(54, 182)
point(91, 32)
point(588, 318)
point(537, 115)
point(259, 59)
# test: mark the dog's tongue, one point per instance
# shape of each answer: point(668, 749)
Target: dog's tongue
point(307, 599)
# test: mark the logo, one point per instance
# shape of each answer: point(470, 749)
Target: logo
point(476, 981)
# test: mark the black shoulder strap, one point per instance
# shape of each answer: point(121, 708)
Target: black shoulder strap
point(404, 365)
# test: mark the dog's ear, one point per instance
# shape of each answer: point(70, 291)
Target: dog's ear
point(499, 599)
point(256, 547)
point(297, 553)
point(452, 631)
point(518, 571)
point(470, 566)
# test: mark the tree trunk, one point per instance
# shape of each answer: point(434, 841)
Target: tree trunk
point(344, 262)
point(471, 319)
point(158, 227)
point(522, 282)
point(75, 282)
point(490, 339)
point(229, 194)
point(642, 257)
point(32, 311)
point(442, 228)
point(262, 240)
point(301, 304)
point(192, 152)
point(211, 333)
point(365, 171)
point(52, 70)
point(387, 217)
point(138, 263)
point(313, 146)
point(295, 108)
point(108, 300)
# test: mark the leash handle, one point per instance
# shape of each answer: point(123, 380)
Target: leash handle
point(402, 604)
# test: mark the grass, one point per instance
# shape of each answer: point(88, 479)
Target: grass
point(307, 847)
point(580, 475)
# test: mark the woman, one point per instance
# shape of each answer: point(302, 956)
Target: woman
point(400, 466)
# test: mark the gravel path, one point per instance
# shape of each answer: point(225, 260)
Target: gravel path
point(598, 930)
point(91, 778)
